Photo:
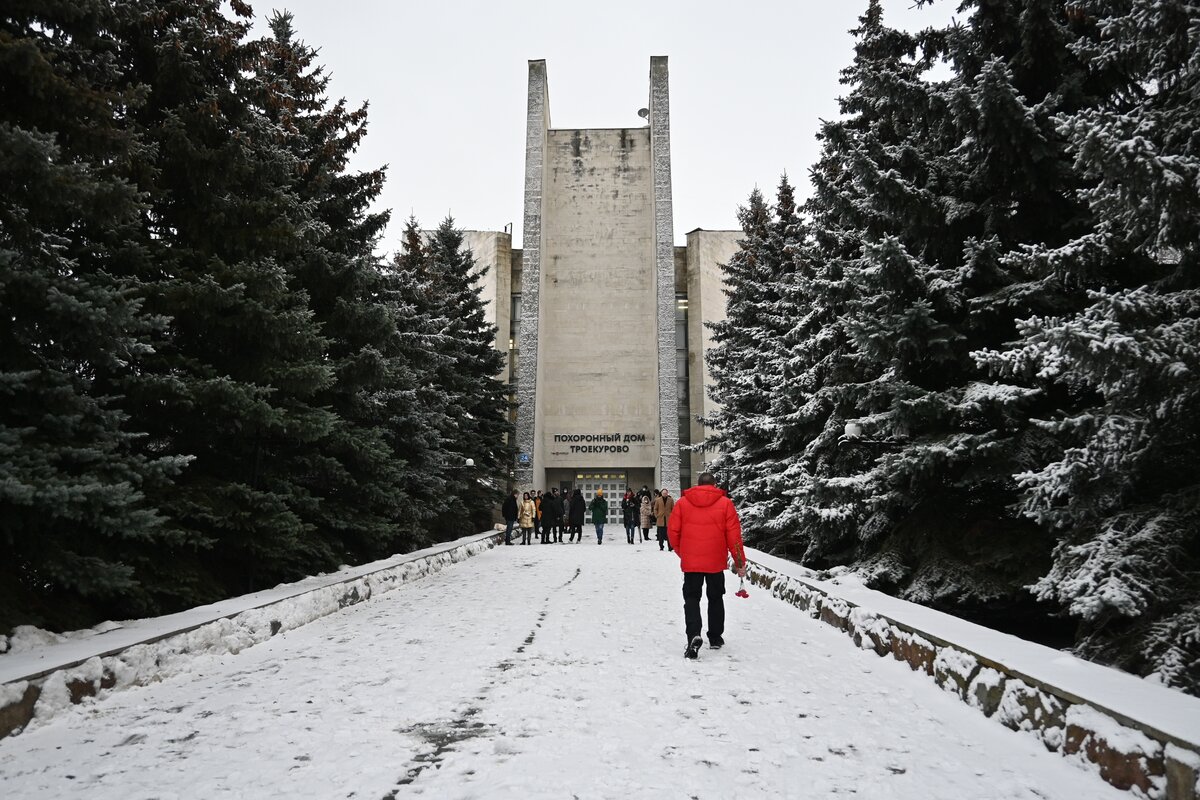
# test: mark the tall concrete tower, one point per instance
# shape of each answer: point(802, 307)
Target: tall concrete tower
point(596, 374)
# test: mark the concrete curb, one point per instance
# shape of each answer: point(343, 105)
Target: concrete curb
point(1124, 751)
point(67, 673)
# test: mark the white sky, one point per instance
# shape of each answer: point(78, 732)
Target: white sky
point(447, 86)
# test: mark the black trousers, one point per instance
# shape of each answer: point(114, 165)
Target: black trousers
point(663, 539)
point(526, 534)
point(693, 584)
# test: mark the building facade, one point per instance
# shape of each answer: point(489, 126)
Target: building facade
point(604, 315)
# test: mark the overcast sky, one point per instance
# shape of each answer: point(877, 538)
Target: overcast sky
point(447, 79)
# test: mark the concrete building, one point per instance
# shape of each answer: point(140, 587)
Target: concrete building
point(604, 315)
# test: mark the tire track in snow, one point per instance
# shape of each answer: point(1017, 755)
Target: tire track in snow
point(441, 738)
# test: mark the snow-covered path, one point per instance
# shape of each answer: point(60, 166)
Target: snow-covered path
point(540, 671)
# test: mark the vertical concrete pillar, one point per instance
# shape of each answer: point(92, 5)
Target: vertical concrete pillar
point(530, 471)
point(707, 253)
point(664, 261)
point(493, 254)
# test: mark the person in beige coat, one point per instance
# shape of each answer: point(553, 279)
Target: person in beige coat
point(662, 512)
point(646, 517)
point(525, 515)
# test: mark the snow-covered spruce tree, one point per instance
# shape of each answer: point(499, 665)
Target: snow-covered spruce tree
point(867, 170)
point(953, 277)
point(238, 384)
point(740, 428)
point(785, 301)
point(1122, 492)
point(71, 481)
point(352, 470)
point(470, 385)
point(924, 192)
point(748, 361)
point(420, 422)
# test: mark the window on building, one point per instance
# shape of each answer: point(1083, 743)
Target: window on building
point(514, 354)
point(684, 397)
point(514, 339)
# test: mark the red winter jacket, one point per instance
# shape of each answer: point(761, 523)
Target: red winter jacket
point(703, 527)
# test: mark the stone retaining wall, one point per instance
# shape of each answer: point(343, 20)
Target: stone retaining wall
point(108, 665)
point(1124, 751)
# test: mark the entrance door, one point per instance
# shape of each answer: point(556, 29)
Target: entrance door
point(613, 484)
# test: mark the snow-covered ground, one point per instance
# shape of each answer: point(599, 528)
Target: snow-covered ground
point(541, 671)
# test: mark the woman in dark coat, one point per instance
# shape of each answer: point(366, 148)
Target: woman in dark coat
point(629, 515)
point(552, 515)
point(510, 512)
point(575, 516)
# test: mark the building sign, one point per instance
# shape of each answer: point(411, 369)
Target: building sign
point(600, 442)
point(523, 458)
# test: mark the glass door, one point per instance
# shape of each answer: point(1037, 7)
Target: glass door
point(613, 485)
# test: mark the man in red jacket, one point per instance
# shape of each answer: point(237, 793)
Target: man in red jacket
point(703, 529)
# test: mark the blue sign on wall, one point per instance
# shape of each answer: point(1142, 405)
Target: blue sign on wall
point(522, 458)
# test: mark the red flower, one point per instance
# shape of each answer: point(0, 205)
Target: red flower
point(742, 593)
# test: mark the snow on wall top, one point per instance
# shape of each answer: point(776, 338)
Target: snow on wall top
point(108, 638)
point(1167, 710)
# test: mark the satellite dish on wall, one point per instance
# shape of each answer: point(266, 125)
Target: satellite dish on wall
point(644, 113)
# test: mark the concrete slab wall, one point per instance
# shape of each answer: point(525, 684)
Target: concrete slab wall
point(493, 250)
point(1023, 686)
point(145, 651)
point(597, 339)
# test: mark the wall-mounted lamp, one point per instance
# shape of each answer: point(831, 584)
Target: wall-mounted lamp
point(852, 434)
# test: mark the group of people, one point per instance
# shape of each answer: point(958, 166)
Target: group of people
point(646, 509)
point(702, 529)
point(548, 515)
